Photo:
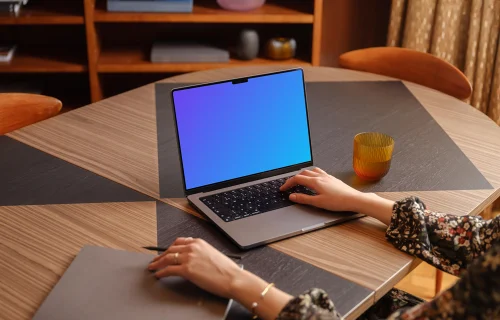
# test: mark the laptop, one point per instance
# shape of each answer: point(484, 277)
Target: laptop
point(239, 140)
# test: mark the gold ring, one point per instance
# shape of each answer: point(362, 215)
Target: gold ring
point(176, 258)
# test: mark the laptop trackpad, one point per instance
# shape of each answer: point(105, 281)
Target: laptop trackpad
point(273, 225)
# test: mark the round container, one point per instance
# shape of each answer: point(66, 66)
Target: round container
point(281, 48)
point(241, 5)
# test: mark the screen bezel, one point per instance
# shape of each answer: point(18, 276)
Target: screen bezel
point(248, 178)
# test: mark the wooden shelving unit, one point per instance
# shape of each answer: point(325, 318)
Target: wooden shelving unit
point(325, 28)
point(204, 11)
point(131, 60)
point(46, 13)
point(43, 62)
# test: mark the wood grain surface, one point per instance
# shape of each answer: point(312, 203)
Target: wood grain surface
point(355, 250)
point(130, 60)
point(27, 62)
point(116, 138)
point(37, 244)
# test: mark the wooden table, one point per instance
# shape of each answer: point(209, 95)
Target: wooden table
point(116, 139)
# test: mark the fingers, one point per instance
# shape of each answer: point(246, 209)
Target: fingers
point(182, 241)
point(303, 198)
point(309, 173)
point(173, 249)
point(170, 271)
point(167, 260)
point(178, 241)
point(318, 170)
point(298, 179)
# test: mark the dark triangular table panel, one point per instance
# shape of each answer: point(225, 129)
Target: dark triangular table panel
point(290, 274)
point(425, 157)
point(29, 176)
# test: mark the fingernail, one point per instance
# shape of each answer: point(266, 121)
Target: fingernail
point(293, 197)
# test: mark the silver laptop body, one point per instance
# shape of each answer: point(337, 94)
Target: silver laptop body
point(261, 227)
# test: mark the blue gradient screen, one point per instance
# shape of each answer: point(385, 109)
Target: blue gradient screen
point(228, 131)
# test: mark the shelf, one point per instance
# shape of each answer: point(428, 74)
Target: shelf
point(134, 60)
point(290, 11)
point(47, 12)
point(43, 62)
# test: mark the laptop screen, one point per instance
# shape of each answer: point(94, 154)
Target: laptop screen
point(239, 128)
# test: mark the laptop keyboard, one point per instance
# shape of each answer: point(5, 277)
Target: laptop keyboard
point(249, 201)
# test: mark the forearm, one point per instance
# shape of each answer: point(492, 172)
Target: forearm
point(446, 241)
point(374, 206)
point(246, 288)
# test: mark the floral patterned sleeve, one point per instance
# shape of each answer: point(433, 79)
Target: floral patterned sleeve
point(476, 295)
point(459, 245)
point(447, 242)
point(313, 304)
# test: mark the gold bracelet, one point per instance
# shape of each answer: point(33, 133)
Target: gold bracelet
point(255, 304)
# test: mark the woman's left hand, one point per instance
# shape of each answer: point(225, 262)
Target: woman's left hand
point(200, 263)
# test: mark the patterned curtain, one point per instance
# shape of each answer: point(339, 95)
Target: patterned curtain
point(462, 32)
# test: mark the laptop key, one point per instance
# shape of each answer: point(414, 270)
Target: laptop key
point(248, 201)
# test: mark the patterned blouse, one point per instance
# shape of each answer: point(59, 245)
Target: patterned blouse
point(465, 246)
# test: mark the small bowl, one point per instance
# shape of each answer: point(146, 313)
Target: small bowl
point(241, 5)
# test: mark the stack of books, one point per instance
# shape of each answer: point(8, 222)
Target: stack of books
point(6, 53)
point(11, 7)
point(187, 52)
point(150, 5)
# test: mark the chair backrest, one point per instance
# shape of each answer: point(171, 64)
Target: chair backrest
point(410, 65)
point(18, 110)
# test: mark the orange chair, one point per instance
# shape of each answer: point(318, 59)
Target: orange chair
point(413, 66)
point(410, 65)
point(18, 110)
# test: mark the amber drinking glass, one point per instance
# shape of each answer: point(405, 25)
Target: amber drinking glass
point(372, 155)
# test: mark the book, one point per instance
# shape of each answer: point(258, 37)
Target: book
point(187, 52)
point(150, 5)
point(10, 8)
point(23, 2)
point(7, 52)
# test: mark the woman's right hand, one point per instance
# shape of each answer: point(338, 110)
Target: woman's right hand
point(331, 193)
point(334, 195)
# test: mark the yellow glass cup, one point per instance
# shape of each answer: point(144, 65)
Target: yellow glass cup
point(372, 155)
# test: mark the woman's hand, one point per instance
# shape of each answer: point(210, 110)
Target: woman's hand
point(334, 195)
point(200, 263)
point(209, 269)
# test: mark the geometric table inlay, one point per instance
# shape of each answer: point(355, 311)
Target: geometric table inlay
point(94, 175)
point(425, 158)
point(290, 274)
point(29, 176)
